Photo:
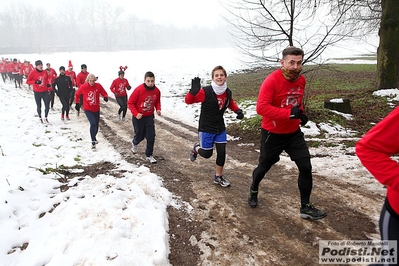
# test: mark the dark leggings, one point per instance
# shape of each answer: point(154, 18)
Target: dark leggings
point(94, 120)
point(220, 153)
point(72, 97)
point(38, 98)
point(122, 101)
point(4, 76)
point(17, 80)
point(65, 104)
point(271, 146)
point(51, 98)
point(389, 226)
point(389, 223)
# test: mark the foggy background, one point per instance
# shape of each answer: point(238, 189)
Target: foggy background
point(103, 25)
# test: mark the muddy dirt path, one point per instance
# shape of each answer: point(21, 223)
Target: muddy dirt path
point(215, 226)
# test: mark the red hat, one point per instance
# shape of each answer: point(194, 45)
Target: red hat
point(70, 64)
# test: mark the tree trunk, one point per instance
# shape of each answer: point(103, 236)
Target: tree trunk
point(388, 50)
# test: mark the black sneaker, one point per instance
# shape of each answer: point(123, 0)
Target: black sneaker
point(310, 212)
point(193, 152)
point(253, 198)
point(93, 144)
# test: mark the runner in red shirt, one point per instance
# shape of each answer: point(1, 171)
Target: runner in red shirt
point(144, 100)
point(90, 92)
point(375, 150)
point(280, 105)
point(39, 80)
point(119, 87)
point(72, 75)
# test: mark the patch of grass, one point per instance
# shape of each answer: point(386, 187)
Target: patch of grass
point(77, 158)
point(355, 82)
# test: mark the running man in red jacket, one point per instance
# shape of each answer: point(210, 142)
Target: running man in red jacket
point(38, 78)
point(144, 100)
point(280, 105)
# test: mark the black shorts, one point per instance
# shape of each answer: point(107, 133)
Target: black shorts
point(272, 145)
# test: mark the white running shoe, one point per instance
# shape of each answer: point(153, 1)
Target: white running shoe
point(134, 148)
point(151, 159)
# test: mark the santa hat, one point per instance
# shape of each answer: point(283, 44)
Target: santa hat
point(70, 64)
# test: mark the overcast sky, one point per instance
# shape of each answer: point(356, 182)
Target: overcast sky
point(183, 13)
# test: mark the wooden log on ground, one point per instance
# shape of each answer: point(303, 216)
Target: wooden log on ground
point(340, 105)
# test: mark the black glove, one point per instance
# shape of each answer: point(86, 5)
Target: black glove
point(129, 87)
point(304, 119)
point(48, 85)
point(195, 85)
point(38, 82)
point(77, 107)
point(295, 113)
point(106, 99)
point(240, 114)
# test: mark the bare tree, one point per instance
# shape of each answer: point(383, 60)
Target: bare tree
point(263, 28)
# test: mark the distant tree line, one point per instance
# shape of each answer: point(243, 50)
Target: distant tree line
point(93, 26)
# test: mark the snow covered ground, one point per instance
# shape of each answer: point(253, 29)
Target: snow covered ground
point(104, 220)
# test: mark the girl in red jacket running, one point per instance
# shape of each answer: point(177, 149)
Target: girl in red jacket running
point(91, 92)
point(119, 87)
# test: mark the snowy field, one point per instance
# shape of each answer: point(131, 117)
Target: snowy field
point(104, 220)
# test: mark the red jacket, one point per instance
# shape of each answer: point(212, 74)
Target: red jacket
point(81, 78)
point(119, 86)
point(144, 101)
point(3, 67)
point(277, 96)
point(375, 150)
point(53, 75)
point(91, 96)
point(72, 75)
point(38, 75)
point(26, 69)
point(14, 68)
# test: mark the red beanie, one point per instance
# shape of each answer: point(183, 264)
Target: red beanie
point(70, 64)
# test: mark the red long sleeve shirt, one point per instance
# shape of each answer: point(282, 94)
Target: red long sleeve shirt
point(81, 78)
point(38, 75)
point(72, 75)
point(119, 86)
point(277, 96)
point(375, 150)
point(144, 101)
point(91, 96)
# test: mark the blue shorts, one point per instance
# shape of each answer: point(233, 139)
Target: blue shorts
point(208, 139)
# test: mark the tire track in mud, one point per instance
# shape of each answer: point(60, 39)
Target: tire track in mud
point(220, 228)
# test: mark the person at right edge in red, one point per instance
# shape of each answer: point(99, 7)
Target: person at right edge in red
point(280, 105)
point(374, 150)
